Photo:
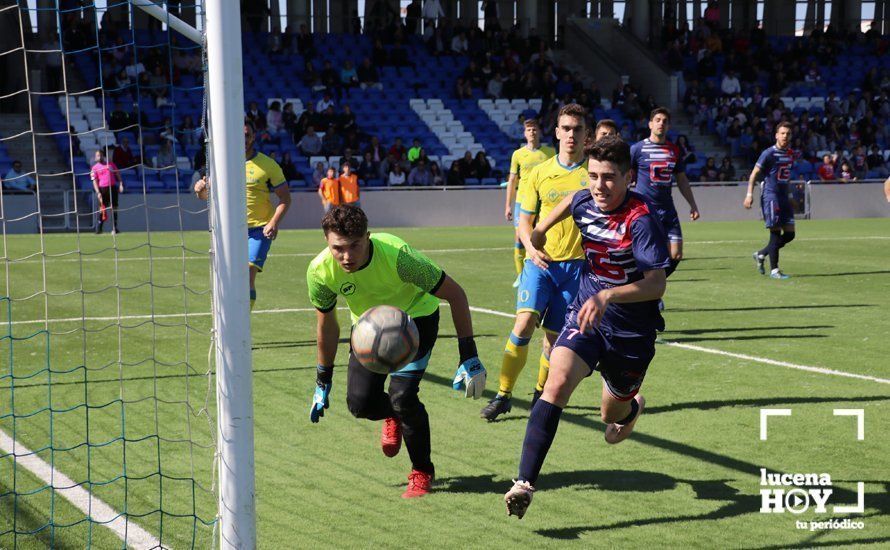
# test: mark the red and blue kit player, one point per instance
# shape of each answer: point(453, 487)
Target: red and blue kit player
point(544, 294)
point(774, 165)
point(658, 165)
point(612, 322)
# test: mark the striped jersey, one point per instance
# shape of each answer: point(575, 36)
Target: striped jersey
point(776, 166)
point(656, 166)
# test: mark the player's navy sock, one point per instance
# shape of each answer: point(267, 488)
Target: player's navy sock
point(634, 409)
point(539, 434)
point(774, 245)
point(252, 298)
point(671, 268)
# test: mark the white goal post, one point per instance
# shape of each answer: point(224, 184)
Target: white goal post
point(231, 306)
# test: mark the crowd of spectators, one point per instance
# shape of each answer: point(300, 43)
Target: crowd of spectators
point(737, 85)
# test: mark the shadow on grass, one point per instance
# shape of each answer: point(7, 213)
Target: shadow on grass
point(766, 308)
point(311, 342)
point(746, 338)
point(696, 331)
point(843, 274)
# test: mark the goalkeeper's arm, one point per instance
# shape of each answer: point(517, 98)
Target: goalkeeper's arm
point(327, 332)
point(454, 294)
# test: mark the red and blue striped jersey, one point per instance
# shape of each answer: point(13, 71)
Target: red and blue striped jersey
point(656, 166)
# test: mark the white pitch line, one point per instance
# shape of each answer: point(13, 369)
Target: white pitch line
point(92, 506)
point(751, 358)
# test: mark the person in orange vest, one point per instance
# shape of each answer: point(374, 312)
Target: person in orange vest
point(349, 192)
point(329, 190)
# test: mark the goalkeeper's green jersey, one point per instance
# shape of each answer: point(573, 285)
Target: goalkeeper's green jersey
point(395, 275)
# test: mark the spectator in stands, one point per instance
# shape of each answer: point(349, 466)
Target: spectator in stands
point(348, 158)
point(413, 13)
point(312, 78)
point(495, 86)
point(289, 168)
point(104, 174)
point(332, 143)
point(462, 89)
point(396, 175)
point(846, 173)
point(309, 117)
point(367, 170)
point(348, 76)
point(826, 169)
point(436, 174)
point(305, 43)
point(274, 41)
point(289, 120)
point(346, 120)
point(123, 156)
point(318, 174)
point(727, 170)
point(710, 172)
point(378, 54)
point(188, 132)
point(420, 175)
point(368, 77)
point(310, 143)
point(378, 154)
point(17, 181)
point(876, 162)
point(465, 165)
point(859, 163)
point(730, 85)
point(329, 190)
point(712, 15)
point(454, 176)
point(516, 130)
point(168, 134)
point(397, 149)
point(165, 158)
point(274, 119)
point(349, 190)
point(255, 116)
point(480, 167)
point(325, 102)
point(414, 152)
point(432, 11)
point(459, 43)
point(158, 86)
point(687, 154)
point(118, 119)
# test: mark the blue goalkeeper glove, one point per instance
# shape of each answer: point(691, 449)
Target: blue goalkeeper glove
point(320, 400)
point(470, 375)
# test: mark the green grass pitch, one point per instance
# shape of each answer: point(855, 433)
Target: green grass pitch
point(688, 477)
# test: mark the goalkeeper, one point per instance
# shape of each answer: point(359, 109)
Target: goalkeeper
point(263, 177)
point(381, 269)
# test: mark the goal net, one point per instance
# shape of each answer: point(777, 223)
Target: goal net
point(108, 429)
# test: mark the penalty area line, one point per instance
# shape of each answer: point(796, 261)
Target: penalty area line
point(93, 507)
point(752, 358)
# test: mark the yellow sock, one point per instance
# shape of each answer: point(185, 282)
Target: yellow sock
point(543, 371)
point(518, 257)
point(515, 355)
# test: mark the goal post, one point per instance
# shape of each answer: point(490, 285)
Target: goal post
point(231, 305)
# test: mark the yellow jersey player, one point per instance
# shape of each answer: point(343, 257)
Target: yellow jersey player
point(521, 163)
point(544, 294)
point(263, 178)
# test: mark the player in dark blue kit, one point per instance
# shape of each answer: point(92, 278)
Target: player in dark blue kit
point(611, 324)
point(774, 165)
point(658, 165)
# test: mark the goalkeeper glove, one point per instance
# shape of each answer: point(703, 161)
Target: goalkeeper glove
point(470, 375)
point(323, 381)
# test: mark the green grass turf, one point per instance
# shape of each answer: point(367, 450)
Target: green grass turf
point(689, 476)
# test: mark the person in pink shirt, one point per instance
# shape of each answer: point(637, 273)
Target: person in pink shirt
point(104, 175)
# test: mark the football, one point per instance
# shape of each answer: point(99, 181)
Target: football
point(385, 339)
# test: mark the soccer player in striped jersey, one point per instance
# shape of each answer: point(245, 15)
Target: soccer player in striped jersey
point(774, 166)
point(263, 178)
point(605, 127)
point(521, 163)
point(611, 325)
point(369, 270)
point(658, 165)
point(544, 294)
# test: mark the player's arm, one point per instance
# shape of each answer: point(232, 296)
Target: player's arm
point(887, 189)
point(202, 188)
point(650, 287)
point(752, 180)
point(537, 237)
point(527, 213)
point(327, 332)
point(415, 268)
point(283, 194)
point(324, 202)
point(686, 191)
point(512, 181)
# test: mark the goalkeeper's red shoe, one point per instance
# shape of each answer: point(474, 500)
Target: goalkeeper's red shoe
point(419, 484)
point(391, 437)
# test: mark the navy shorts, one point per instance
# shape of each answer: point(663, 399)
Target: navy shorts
point(670, 221)
point(777, 211)
point(622, 362)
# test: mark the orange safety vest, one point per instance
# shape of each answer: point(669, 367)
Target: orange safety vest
point(330, 189)
point(349, 189)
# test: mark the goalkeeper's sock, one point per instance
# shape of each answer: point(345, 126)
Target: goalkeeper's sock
point(515, 356)
point(518, 257)
point(543, 371)
point(252, 298)
point(539, 434)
